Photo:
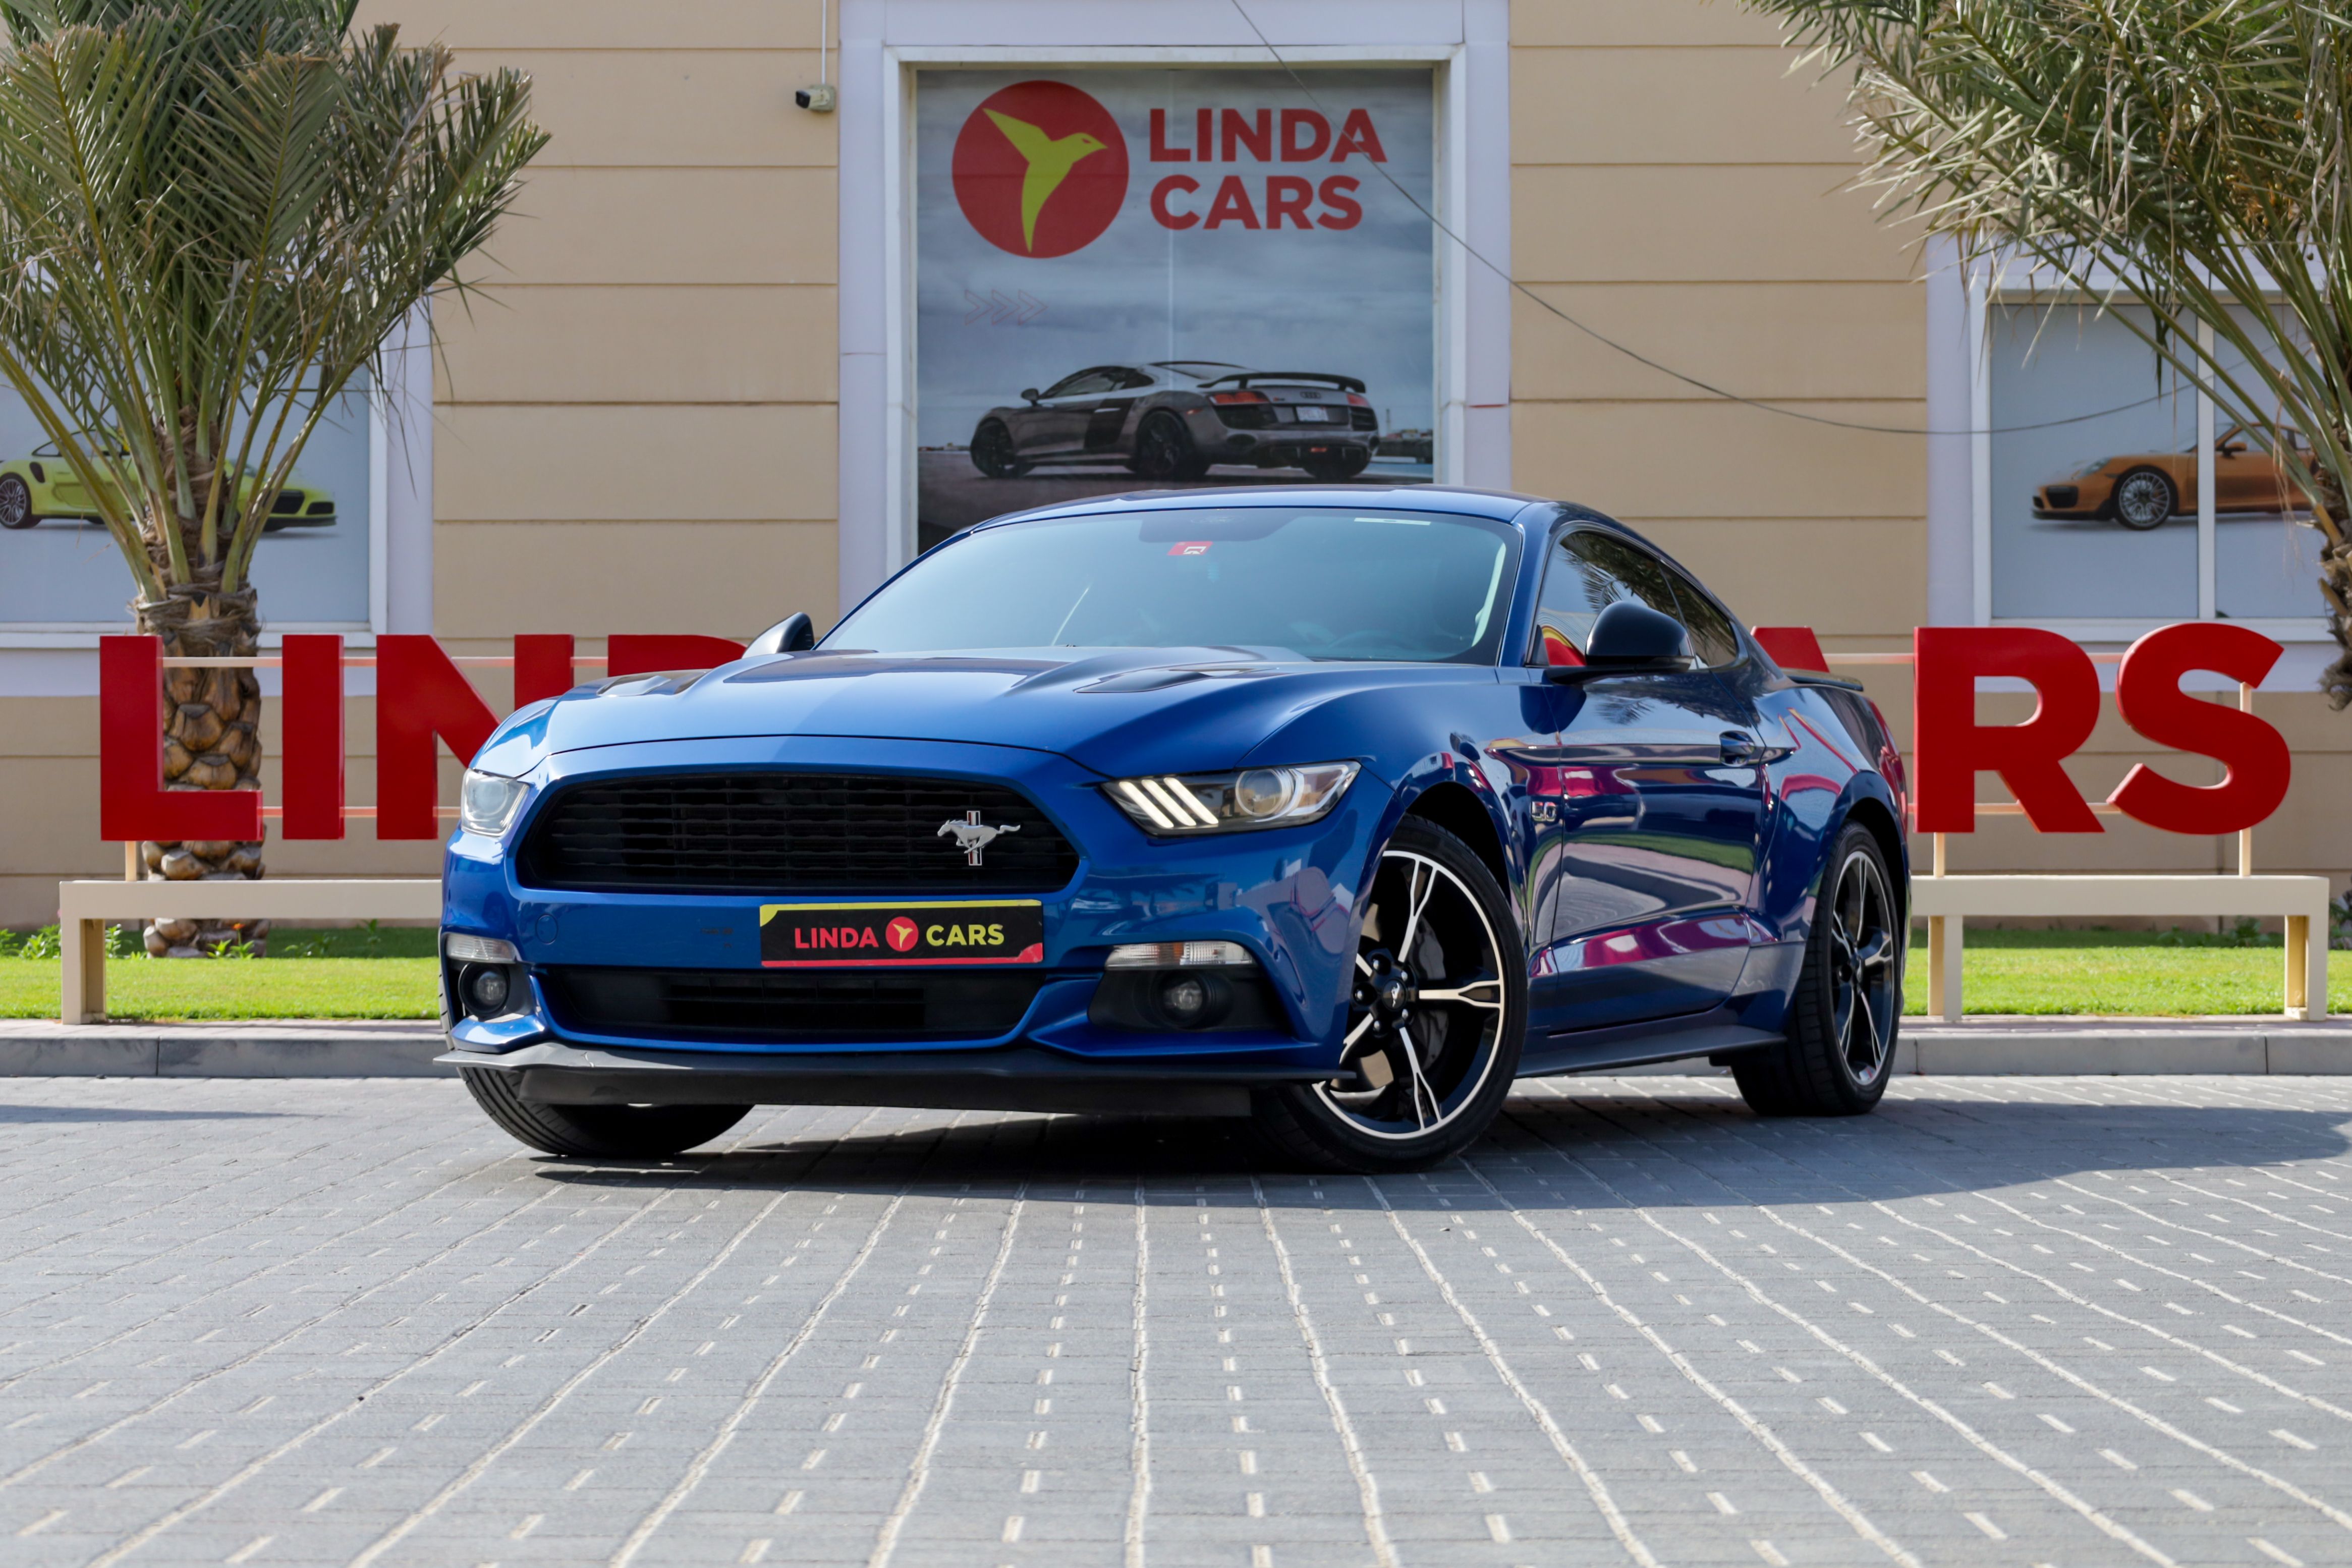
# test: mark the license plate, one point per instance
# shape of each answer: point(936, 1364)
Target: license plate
point(1313, 415)
point(901, 935)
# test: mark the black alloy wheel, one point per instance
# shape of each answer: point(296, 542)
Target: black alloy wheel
point(1163, 449)
point(1435, 1018)
point(1848, 1006)
point(2144, 499)
point(15, 502)
point(993, 454)
point(1345, 464)
point(597, 1132)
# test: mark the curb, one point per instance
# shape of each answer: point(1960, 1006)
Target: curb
point(296, 1049)
point(1992, 1046)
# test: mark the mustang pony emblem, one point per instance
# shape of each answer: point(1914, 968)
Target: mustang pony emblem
point(972, 837)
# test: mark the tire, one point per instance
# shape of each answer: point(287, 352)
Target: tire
point(2144, 498)
point(1164, 449)
point(1847, 1009)
point(1344, 465)
point(597, 1132)
point(1454, 1055)
point(993, 454)
point(15, 502)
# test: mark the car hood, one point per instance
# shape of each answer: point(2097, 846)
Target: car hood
point(1117, 711)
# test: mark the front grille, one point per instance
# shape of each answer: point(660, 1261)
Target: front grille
point(789, 832)
point(805, 1007)
point(287, 502)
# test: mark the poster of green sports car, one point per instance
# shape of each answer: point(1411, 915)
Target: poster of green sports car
point(60, 569)
point(1169, 278)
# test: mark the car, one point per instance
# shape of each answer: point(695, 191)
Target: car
point(41, 487)
point(1337, 808)
point(1172, 419)
point(2145, 490)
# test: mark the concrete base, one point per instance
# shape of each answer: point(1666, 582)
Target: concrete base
point(294, 1047)
point(1985, 1045)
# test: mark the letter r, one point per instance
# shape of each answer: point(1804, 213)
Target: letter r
point(1953, 748)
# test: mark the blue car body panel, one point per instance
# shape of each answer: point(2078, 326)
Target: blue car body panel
point(1663, 894)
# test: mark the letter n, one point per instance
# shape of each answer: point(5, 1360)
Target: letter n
point(313, 714)
point(419, 696)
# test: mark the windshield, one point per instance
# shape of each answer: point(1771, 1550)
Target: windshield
point(1326, 583)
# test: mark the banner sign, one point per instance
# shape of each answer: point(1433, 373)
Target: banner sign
point(1193, 277)
point(424, 701)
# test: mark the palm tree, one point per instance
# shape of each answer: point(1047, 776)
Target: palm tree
point(2193, 157)
point(214, 213)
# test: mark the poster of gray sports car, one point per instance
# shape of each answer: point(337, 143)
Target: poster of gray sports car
point(1169, 278)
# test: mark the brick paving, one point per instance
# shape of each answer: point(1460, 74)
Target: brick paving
point(2061, 1322)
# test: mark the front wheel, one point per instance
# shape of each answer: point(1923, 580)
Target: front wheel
point(15, 502)
point(598, 1131)
point(1848, 1003)
point(1435, 1018)
point(2144, 499)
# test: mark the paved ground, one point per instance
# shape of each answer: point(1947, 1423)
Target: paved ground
point(2004, 1320)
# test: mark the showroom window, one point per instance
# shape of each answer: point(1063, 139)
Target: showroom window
point(2091, 516)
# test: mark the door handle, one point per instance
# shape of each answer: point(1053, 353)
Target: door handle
point(1741, 750)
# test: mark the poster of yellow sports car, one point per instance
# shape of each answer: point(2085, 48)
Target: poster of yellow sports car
point(1169, 278)
point(61, 572)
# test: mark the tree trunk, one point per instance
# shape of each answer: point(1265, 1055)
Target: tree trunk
point(212, 740)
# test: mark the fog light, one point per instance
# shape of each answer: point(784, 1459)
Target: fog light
point(1195, 1001)
point(486, 991)
point(1180, 955)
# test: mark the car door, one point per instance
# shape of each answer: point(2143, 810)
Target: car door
point(1649, 804)
point(1055, 425)
point(1107, 422)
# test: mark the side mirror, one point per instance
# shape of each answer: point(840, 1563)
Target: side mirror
point(1028, 395)
point(1630, 639)
point(793, 633)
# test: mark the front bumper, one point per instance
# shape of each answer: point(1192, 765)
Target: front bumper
point(1285, 894)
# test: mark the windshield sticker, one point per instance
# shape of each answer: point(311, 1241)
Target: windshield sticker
point(1189, 547)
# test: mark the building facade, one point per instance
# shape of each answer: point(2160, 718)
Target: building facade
point(740, 357)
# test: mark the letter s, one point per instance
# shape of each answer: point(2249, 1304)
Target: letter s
point(2147, 690)
point(1159, 195)
point(1336, 195)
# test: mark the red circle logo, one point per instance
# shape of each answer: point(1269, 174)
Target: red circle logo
point(900, 934)
point(1040, 169)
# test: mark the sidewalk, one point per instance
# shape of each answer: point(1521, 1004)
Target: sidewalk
point(1990, 1044)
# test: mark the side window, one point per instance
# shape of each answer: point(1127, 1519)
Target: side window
point(1132, 379)
point(1573, 594)
point(1085, 382)
point(1711, 637)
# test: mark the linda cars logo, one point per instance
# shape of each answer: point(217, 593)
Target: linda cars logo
point(1040, 169)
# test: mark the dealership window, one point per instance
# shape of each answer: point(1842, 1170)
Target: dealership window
point(1182, 278)
point(2090, 511)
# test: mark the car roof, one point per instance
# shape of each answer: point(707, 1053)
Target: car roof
point(1501, 506)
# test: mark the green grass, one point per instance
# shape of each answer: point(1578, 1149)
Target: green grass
point(2146, 974)
point(2130, 974)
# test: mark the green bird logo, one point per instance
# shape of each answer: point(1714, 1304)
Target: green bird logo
point(1050, 162)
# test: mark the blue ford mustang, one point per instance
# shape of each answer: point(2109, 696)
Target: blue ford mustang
point(1338, 808)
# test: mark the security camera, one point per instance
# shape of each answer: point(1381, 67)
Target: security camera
point(818, 100)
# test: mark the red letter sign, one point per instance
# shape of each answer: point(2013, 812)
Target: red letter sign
point(2148, 690)
point(644, 653)
point(314, 736)
point(542, 667)
point(1954, 748)
point(419, 695)
point(132, 802)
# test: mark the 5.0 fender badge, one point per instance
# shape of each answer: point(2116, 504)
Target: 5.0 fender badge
point(972, 837)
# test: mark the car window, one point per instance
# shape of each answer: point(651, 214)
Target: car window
point(1085, 382)
point(1589, 571)
point(1131, 379)
point(1712, 637)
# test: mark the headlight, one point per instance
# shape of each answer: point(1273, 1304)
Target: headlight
point(1226, 802)
point(487, 804)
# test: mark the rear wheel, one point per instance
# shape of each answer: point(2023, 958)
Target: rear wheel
point(598, 1131)
point(15, 502)
point(1848, 1005)
point(1164, 450)
point(1433, 1021)
point(993, 454)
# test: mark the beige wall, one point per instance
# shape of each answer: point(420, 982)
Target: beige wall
point(635, 426)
